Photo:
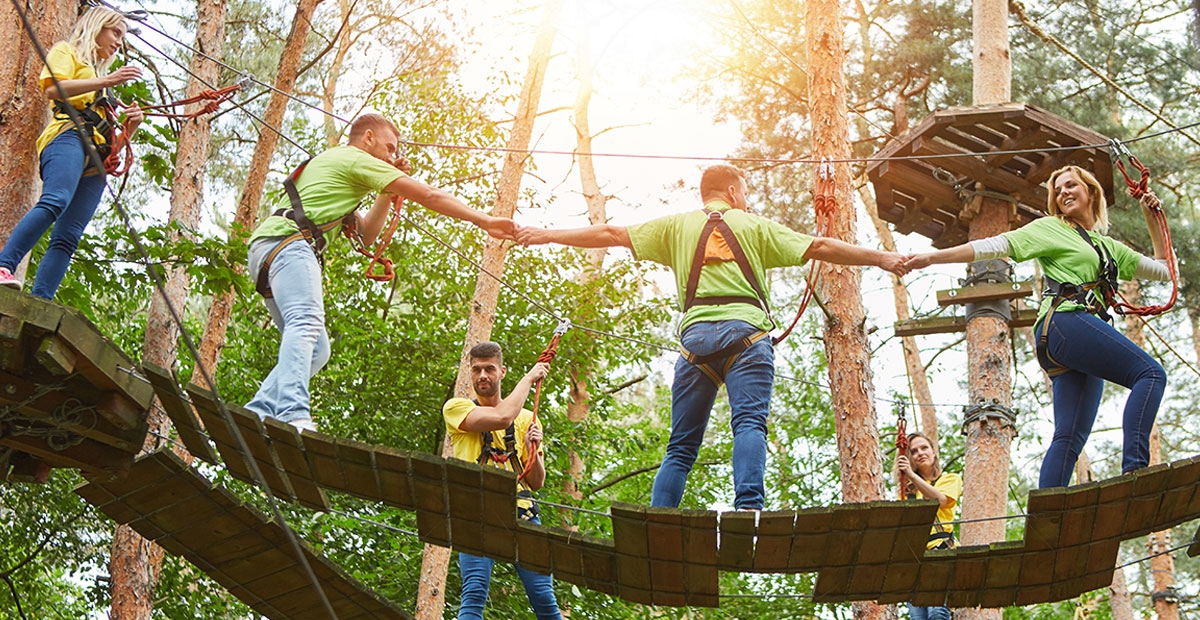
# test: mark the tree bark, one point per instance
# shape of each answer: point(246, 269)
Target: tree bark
point(24, 108)
point(1162, 567)
point(845, 334)
point(332, 133)
point(247, 210)
point(137, 562)
point(431, 590)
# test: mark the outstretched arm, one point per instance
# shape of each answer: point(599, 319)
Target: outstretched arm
point(964, 253)
point(437, 200)
point(596, 236)
point(833, 251)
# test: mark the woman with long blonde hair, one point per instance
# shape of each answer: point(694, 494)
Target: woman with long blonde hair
point(71, 185)
point(1077, 346)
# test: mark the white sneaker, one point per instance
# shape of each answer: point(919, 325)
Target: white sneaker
point(8, 279)
point(304, 424)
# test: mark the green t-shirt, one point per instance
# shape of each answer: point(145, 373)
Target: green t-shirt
point(331, 185)
point(672, 241)
point(1065, 256)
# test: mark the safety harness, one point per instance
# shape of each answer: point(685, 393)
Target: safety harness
point(527, 508)
point(100, 117)
point(314, 235)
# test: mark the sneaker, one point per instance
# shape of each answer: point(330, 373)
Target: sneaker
point(304, 424)
point(8, 279)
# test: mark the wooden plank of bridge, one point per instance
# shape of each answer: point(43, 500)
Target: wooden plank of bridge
point(533, 547)
point(934, 577)
point(1182, 485)
point(1149, 486)
point(776, 531)
point(736, 551)
point(1193, 549)
point(395, 480)
point(1044, 523)
point(219, 431)
point(357, 462)
point(812, 540)
point(101, 362)
point(179, 409)
point(632, 546)
point(289, 449)
point(464, 489)
point(429, 491)
point(1079, 514)
point(1002, 576)
point(239, 547)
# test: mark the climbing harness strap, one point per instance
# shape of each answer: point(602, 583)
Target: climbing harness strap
point(708, 363)
point(717, 222)
point(527, 508)
point(100, 116)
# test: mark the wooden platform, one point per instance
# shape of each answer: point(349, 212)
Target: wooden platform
point(239, 547)
point(871, 551)
point(914, 195)
point(68, 396)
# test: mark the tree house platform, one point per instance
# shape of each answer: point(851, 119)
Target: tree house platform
point(967, 149)
point(68, 396)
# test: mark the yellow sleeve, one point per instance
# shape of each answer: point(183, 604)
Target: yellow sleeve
point(455, 412)
point(950, 485)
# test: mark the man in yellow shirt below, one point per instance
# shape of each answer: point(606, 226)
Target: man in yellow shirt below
point(497, 431)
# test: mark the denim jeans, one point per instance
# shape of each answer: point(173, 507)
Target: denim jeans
point(928, 613)
point(67, 203)
point(1096, 352)
point(748, 382)
point(477, 578)
point(298, 309)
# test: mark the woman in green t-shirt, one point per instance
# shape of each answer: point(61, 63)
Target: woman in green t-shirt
point(1077, 348)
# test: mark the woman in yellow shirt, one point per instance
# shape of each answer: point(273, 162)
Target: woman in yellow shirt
point(921, 474)
point(71, 185)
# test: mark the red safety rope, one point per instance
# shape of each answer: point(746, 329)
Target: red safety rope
point(214, 97)
point(902, 446)
point(1138, 188)
point(824, 205)
point(350, 229)
point(547, 356)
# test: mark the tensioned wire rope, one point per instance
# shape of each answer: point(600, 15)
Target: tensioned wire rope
point(546, 309)
point(156, 278)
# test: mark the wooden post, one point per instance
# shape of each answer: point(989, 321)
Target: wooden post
point(988, 340)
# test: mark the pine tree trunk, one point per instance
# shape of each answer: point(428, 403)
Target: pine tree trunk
point(845, 335)
point(24, 109)
point(136, 562)
point(431, 589)
point(332, 133)
point(256, 178)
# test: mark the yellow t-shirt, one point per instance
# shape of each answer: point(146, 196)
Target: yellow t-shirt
point(950, 485)
point(468, 445)
point(63, 62)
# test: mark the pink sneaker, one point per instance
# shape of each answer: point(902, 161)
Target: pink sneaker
point(8, 279)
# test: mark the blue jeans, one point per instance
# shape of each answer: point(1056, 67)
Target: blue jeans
point(928, 613)
point(477, 578)
point(748, 381)
point(1096, 352)
point(67, 203)
point(298, 309)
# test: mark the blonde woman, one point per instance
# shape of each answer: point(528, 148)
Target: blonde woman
point(921, 475)
point(71, 184)
point(1077, 346)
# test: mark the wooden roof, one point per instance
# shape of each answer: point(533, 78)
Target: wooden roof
point(918, 195)
point(68, 396)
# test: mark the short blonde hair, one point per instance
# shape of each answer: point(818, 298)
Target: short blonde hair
point(1095, 190)
point(87, 28)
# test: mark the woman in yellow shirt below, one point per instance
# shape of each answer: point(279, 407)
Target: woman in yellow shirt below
point(920, 471)
point(71, 184)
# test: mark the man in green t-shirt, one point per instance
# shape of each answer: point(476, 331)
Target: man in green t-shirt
point(331, 186)
point(724, 335)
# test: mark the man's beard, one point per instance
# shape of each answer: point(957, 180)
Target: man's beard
point(489, 391)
